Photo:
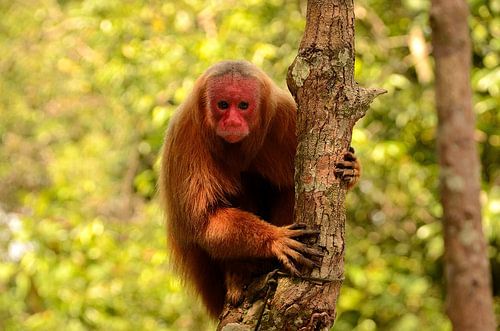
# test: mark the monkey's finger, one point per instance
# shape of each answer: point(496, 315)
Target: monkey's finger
point(351, 149)
point(339, 173)
point(345, 165)
point(311, 251)
point(288, 265)
point(302, 248)
point(296, 226)
point(302, 260)
point(348, 156)
point(302, 233)
point(309, 262)
point(349, 173)
point(346, 174)
point(317, 261)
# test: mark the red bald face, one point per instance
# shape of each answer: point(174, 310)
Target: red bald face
point(233, 101)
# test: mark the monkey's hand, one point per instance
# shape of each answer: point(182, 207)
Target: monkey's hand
point(293, 253)
point(349, 169)
point(232, 234)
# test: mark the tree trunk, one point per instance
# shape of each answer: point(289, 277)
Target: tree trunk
point(469, 298)
point(329, 104)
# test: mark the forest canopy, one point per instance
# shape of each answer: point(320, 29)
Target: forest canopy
point(86, 91)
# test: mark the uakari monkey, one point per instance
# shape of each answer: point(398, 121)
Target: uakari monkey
point(227, 182)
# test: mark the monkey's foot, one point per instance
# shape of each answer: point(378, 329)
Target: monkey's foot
point(234, 295)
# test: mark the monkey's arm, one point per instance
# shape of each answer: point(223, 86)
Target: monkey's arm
point(232, 233)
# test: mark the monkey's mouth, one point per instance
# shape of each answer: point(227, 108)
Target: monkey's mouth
point(233, 138)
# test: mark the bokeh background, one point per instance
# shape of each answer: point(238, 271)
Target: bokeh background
point(86, 90)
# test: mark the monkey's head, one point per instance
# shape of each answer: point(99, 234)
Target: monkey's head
point(233, 94)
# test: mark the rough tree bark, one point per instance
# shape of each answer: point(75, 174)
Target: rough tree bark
point(469, 298)
point(329, 103)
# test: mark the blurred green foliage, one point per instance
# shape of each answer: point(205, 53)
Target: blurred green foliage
point(86, 91)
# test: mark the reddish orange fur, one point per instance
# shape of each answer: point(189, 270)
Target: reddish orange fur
point(202, 178)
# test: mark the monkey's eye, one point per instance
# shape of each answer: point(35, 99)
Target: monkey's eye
point(243, 105)
point(222, 104)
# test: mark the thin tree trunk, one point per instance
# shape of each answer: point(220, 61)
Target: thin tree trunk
point(469, 297)
point(329, 104)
